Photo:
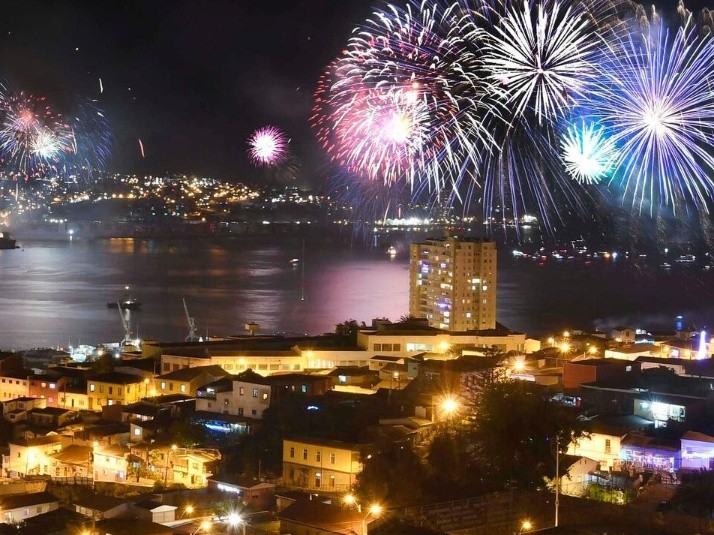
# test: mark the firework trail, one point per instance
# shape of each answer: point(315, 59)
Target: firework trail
point(267, 146)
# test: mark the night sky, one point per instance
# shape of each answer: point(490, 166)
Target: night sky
point(192, 79)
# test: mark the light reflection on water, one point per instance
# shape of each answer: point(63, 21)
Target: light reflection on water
point(52, 293)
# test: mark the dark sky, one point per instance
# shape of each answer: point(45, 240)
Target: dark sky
point(192, 79)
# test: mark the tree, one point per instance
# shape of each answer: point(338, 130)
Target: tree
point(392, 474)
point(185, 434)
point(695, 494)
point(348, 330)
point(516, 428)
point(104, 363)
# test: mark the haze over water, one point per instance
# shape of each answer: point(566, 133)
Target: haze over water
point(54, 293)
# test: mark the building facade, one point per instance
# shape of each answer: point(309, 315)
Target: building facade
point(452, 283)
point(328, 466)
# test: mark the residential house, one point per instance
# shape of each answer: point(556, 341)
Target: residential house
point(602, 442)
point(31, 456)
point(72, 462)
point(578, 372)
point(194, 467)
point(17, 508)
point(624, 335)
point(51, 417)
point(130, 526)
point(697, 451)
point(187, 380)
point(14, 385)
point(321, 465)
point(312, 517)
point(644, 452)
point(632, 351)
point(46, 386)
point(257, 495)
point(154, 511)
point(575, 474)
point(16, 410)
point(111, 464)
point(354, 376)
point(113, 388)
point(100, 506)
point(74, 396)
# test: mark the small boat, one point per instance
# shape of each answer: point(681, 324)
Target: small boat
point(392, 251)
point(686, 259)
point(295, 261)
point(129, 303)
point(6, 242)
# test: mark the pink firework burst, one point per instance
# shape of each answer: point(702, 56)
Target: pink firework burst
point(267, 146)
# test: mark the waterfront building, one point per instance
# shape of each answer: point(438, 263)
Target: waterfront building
point(452, 283)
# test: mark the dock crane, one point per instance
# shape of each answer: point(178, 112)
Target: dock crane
point(192, 336)
point(126, 325)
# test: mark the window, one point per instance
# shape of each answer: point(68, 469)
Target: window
point(292, 452)
point(119, 391)
point(163, 385)
point(166, 367)
point(241, 391)
point(304, 454)
point(254, 412)
point(111, 389)
point(397, 347)
point(318, 457)
point(265, 396)
point(332, 482)
point(101, 389)
point(607, 445)
point(303, 389)
point(171, 386)
point(137, 431)
point(332, 458)
point(91, 387)
point(377, 347)
point(183, 388)
point(318, 480)
point(255, 392)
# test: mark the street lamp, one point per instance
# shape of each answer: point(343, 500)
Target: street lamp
point(449, 405)
point(349, 499)
point(526, 525)
point(204, 526)
point(174, 447)
point(188, 510)
point(235, 520)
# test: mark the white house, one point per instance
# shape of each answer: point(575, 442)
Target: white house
point(697, 450)
point(19, 507)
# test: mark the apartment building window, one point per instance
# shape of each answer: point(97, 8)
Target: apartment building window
point(265, 396)
point(111, 389)
point(292, 452)
point(303, 389)
point(163, 385)
point(332, 458)
point(183, 388)
point(241, 391)
point(91, 387)
point(607, 445)
point(318, 480)
point(304, 454)
point(332, 482)
point(255, 392)
point(318, 457)
point(101, 389)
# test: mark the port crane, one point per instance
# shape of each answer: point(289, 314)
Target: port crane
point(126, 324)
point(192, 336)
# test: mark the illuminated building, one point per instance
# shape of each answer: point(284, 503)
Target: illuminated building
point(452, 283)
point(317, 464)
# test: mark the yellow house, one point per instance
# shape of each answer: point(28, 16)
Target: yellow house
point(187, 380)
point(31, 456)
point(325, 465)
point(193, 468)
point(112, 389)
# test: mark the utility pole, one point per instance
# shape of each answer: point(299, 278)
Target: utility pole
point(557, 478)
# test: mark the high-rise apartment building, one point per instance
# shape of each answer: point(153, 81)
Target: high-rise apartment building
point(452, 283)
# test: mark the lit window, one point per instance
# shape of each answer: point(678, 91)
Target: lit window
point(255, 392)
point(91, 387)
point(137, 431)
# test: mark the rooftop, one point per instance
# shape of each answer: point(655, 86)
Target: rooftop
point(37, 441)
point(189, 374)
point(316, 513)
point(117, 378)
point(98, 502)
point(15, 501)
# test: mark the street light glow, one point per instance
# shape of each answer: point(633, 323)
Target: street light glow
point(375, 509)
point(349, 499)
point(234, 519)
point(519, 366)
point(449, 405)
point(526, 525)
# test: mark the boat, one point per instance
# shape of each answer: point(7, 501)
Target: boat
point(295, 261)
point(686, 259)
point(392, 251)
point(6, 242)
point(129, 303)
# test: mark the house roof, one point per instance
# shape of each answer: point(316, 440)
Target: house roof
point(98, 502)
point(15, 501)
point(143, 408)
point(117, 378)
point(638, 440)
point(73, 454)
point(37, 441)
point(242, 482)
point(189, 374)
point(318, 514)
point(54, 411)
point(634, 348)
point(153, 505)
point(132, 526)
point(698, 437)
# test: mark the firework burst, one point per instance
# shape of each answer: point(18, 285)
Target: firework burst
point(587, 152)
point(656, 104)
point(267, 146)
point(401, 102)
point(539, 57)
